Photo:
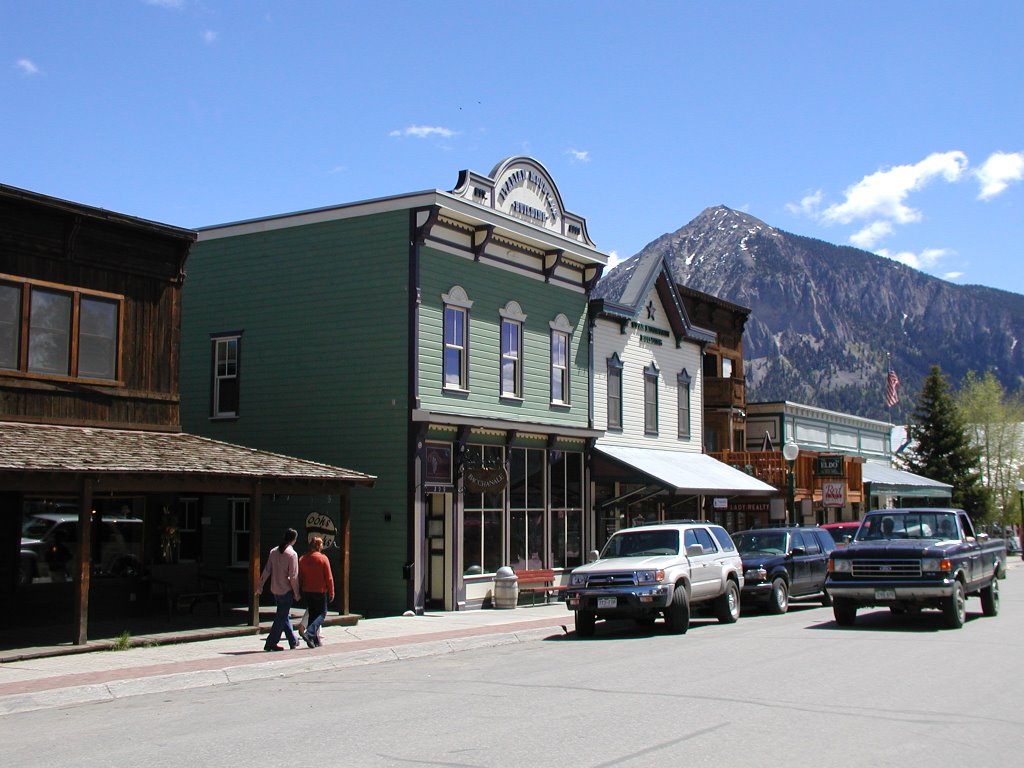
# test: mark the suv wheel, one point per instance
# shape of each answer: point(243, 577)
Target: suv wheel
point(778, 602)
point(585, 623)
point(727, 606)
point(677, 614)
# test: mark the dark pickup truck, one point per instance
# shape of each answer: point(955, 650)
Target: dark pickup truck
point(909, 559)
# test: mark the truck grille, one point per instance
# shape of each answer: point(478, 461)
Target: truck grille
point(886, 569)
point(612, 580)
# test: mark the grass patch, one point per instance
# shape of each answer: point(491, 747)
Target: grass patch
point(123, 642)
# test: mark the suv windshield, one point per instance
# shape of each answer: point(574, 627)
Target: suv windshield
point(641, 544)
point(763, 543)
point(919, 525)
point(36, 527)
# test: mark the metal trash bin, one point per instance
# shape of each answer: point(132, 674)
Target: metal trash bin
point(506, 588)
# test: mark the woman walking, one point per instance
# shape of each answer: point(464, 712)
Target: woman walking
point(317, 588)
point(283, 572)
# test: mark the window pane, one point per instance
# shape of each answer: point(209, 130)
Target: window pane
point(614, 398)
point(226, 384)
point(454, 361)
point(10, 325)
point(97, 339)
point(49, 332)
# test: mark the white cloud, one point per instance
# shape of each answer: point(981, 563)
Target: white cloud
point(613, 260)
point(808, 205)
point(882, 195)
point(579, 155)
point(424, 131)
point(209, 36)
point(870, 236)
point(27, 67)
point(952, 275)
point(928, 258)
point(998, 172)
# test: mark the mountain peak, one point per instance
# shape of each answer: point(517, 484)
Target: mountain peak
point(825, 319)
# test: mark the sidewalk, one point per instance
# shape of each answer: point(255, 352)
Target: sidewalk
point(60, 680)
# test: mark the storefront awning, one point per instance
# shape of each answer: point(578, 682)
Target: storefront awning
point(695, 473)
point(889, 481)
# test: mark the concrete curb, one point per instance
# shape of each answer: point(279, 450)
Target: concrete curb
point(280, 667)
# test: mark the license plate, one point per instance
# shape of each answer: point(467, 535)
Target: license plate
point(607, 602)
point(885, 594)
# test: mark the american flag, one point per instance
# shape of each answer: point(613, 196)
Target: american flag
point(892, 385)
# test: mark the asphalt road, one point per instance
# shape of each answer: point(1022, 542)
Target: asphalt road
point(791, 690)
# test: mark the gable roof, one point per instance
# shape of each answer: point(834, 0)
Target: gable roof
point(624, 292)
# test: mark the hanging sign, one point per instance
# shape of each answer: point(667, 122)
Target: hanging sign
point(484, 479)
point(833, 494)
point(319, 524)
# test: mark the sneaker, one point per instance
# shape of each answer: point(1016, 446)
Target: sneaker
point(310, 641)
point(272, 648)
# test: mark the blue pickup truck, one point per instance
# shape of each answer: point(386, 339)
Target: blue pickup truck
point(910, 559)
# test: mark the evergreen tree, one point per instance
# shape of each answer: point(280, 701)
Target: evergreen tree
point(943, 450)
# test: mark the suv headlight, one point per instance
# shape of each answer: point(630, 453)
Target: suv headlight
point(755, 574)
point(649, 577)
point(578, 580)
point(933, 564)
point(837, 565)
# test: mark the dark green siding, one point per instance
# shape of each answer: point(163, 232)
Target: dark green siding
point(323, 310)
point(490, 288)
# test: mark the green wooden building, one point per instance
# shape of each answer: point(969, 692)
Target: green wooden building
point(438, 341)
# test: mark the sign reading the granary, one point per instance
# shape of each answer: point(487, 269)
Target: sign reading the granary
point(319, 524)
point(485, 479)
point(833, 494)
point(828, 466)
point(437, 465)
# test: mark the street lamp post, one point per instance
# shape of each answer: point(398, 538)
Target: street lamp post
point(1020, 495)
point(789, 452)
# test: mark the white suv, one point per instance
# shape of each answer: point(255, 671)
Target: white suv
point(658, 570)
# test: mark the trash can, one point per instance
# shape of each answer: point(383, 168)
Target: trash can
point(506, 588)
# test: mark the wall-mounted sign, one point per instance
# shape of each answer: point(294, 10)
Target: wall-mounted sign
point(484, 479)
point(721, 502)
point(829, 466)
point(833, 494)
point(437, 464)
point(319, 524)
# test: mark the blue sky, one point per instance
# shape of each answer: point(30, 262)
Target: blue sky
point(897, 127)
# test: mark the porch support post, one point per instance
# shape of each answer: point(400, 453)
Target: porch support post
point(345, 535)
point(82, 578)
point(255, 547)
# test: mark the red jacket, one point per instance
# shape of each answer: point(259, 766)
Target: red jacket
point(315, 574)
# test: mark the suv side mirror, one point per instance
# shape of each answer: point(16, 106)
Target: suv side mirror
point(592, 555)
point(694, 550)
point(797, 551)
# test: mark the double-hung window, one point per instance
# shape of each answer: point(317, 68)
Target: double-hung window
point(651, 399)
point(561, 332)
point(614, 392)
point(512, 319)
point(455, 363)
point(65, 332)
point(683, 405)
point(240, 531)
point(226, 390)
point(511, 358)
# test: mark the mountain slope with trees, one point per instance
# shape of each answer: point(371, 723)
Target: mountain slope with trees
point(827, 320)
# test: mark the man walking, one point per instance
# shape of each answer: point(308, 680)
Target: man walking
point(283, 572)
point(317, 588)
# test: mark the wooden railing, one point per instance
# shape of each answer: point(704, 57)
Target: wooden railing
point(725, 393)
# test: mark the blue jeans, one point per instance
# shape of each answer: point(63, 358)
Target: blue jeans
point(316, 602)
point(282, 622)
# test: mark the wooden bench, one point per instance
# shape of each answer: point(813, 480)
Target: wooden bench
point(540, 581)
point(183, 582)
